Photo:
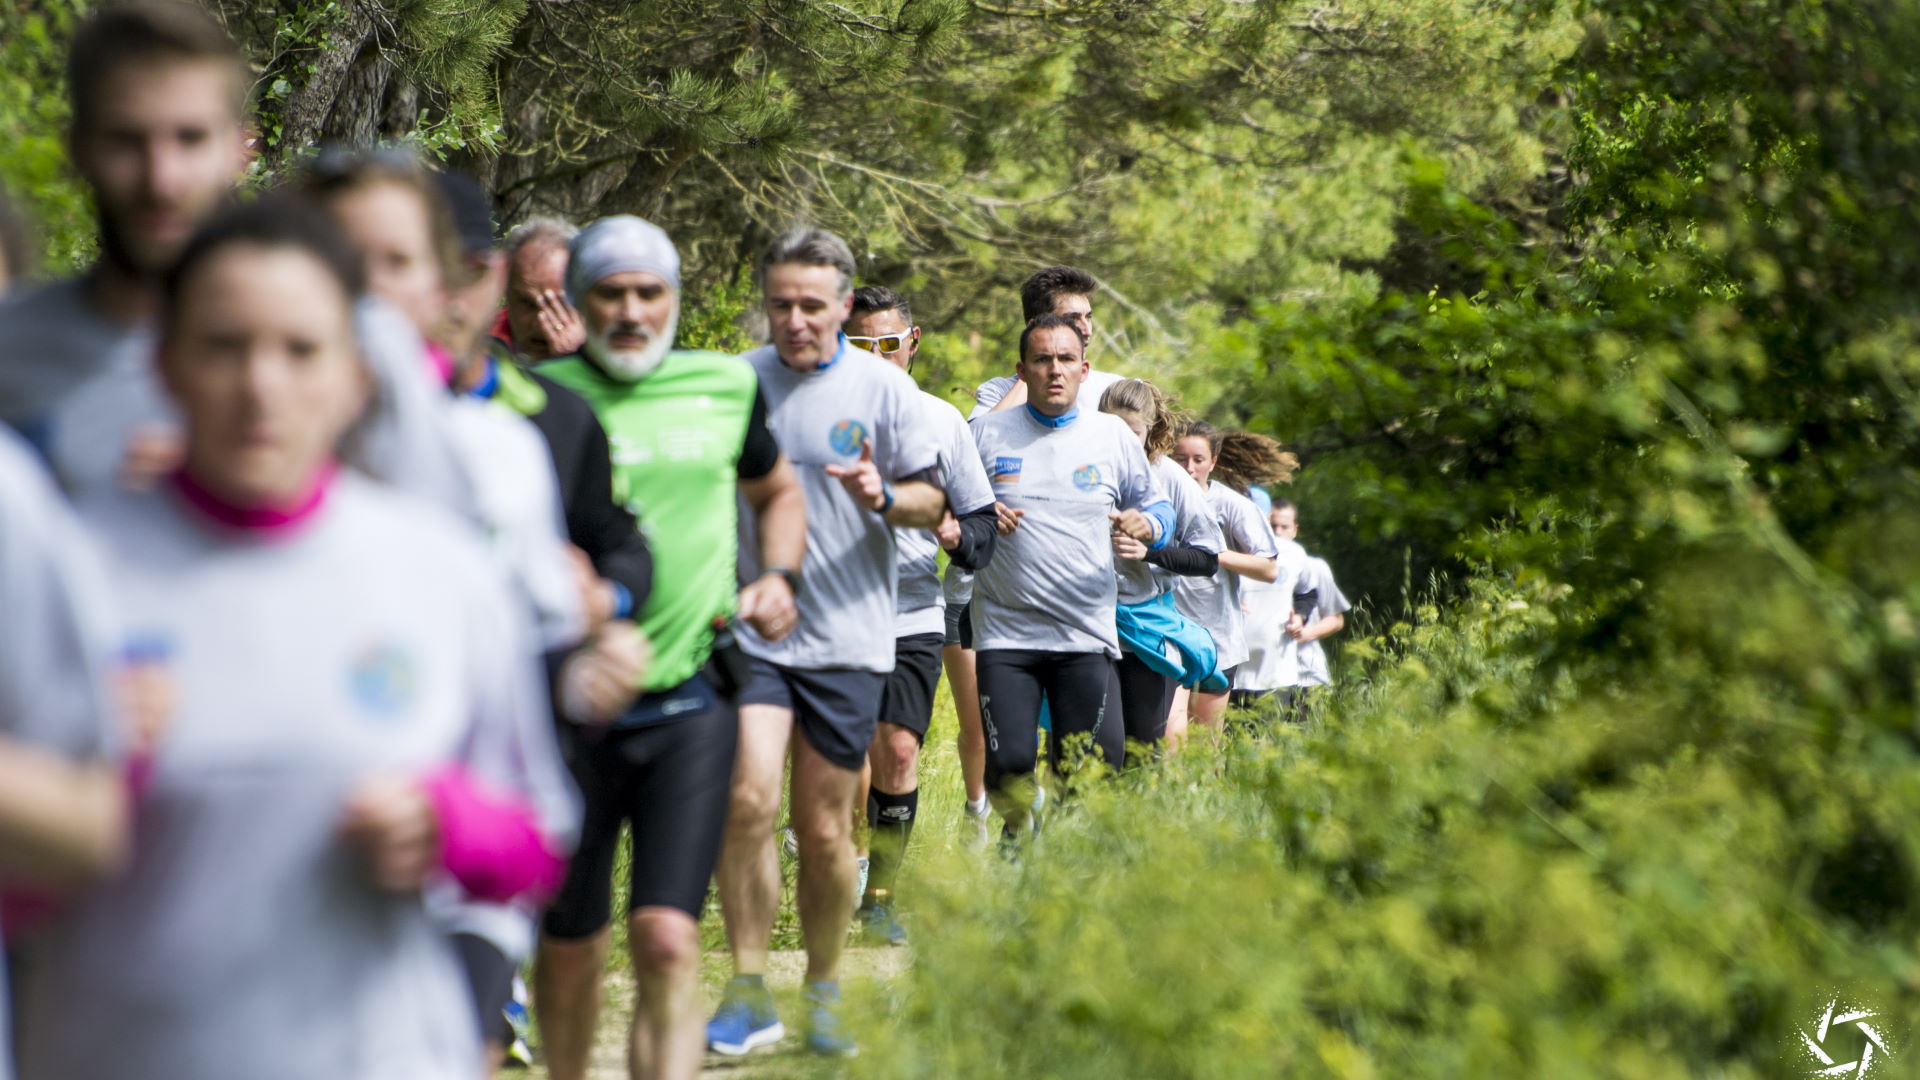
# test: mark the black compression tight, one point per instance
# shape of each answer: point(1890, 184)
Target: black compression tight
point(1145, 696)
point(1012, 684)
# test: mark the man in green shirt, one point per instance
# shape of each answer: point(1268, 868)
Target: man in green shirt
point(688, 434)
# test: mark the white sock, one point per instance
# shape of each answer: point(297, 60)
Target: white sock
point(977, 807)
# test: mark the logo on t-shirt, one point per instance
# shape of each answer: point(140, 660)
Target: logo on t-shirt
point(1086, 477)
point(847, 437)
point(382, 679)
point(1006, 470)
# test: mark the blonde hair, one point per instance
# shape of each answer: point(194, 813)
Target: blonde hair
point(1151, 406)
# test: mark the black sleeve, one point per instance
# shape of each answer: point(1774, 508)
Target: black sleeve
point(1305, 602)
point(1185, 561)
point(603, 528)
point(978, 537)
point(758, 451)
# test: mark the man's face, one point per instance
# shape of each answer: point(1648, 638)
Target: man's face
point(1286, 522)
point(627, 311)
point(261, 357)
point(805, 309)
point(1079, 309)
point(387, 223)
point(162, 152)
point(882, 328)
point(537, 269)
point(1053, 369)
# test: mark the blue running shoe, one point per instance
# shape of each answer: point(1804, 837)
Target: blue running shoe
point(878, 923)
point(745, 1020)
point(826, 1029)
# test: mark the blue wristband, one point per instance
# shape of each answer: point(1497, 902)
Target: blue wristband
point(886, 491)
point(622, 600)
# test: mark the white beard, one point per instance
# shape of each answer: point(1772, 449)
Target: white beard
point(632, 365)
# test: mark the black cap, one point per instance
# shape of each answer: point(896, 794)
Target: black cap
point(472, 210)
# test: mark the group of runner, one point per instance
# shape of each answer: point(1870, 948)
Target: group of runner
point(364, 577)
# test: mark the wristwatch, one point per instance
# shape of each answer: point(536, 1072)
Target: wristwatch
point(788, 574)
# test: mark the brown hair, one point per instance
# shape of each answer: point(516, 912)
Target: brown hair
point(145, 32)
point(335, 173)
point(1242, 459)
point(1154, 408)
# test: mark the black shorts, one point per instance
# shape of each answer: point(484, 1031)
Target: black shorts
point(960, 625)
point(490, 979)
point(907, 700)
point(671, 782)
point(834, 708)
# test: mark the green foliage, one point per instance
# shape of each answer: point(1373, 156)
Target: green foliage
point(33, 116)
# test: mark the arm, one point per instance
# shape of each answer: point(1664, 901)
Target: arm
point(1185, 561)
point(1320, 628)
point(917, 504)
point(1251, 566)
point(1013, 398)
point(979, 535)
point(780, 511)
point(59, 819)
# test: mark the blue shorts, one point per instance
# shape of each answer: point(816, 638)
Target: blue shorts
point(834, 708)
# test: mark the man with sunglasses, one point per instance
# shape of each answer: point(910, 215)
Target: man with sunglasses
point(882, 324)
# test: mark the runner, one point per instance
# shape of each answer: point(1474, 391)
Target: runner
point(538, 323)
point(1065, 291)
point(1160, 649)
point(319, 770)
point(158, 136)
point(1306, 630)
point(1250, 552)
point(1043, 610)
point(689, 436)
point(882, 324)
point(1271, 669)
point(62, 810)
point(866, 458)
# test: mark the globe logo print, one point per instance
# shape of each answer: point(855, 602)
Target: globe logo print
point(1844, 1031)
point(847, 437)
point(1086, 477)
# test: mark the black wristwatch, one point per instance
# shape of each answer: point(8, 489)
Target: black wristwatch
point(788, 574)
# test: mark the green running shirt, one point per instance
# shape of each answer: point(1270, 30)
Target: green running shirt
point(676, 438)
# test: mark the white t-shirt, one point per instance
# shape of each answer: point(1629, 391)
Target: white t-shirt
point(1271, 662)
point(1215, 602)
point(920, 606)
point(1314, 670)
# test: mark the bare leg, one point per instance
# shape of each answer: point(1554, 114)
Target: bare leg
point(1177, 718)
point(668, 1040)
point(966, 702)
point(749, 871)
point(821, 792)
point(566, 995)
point(862, 828)
point(1209, 709)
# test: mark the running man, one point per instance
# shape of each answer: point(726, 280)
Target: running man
point(690, 441)
point(538, 322)
point(1306, 630)
point(1272, 666)
point(1043, 609)
point(868, 461)
point(159, 137)
point(318, 771)
point(882, 324)
point(62, 808)
point(1065, 291)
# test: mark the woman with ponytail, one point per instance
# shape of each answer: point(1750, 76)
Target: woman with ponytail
point(1148, 672)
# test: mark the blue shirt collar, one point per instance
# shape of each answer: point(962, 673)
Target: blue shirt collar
point(1062, 420)
point(837, 354)
point(490, 385)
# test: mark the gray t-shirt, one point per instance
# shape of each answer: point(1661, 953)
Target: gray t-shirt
point(1271, 655)
point(77, 384)
point(821, 418)
point(56, 634)
point(1215, 602)
point(1051, 584)
point(1141, 581)
point(1312, 656)
point(920, 607)
point(989, 393)
point(245, 938)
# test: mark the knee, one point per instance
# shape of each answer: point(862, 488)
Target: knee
point(664, 942)
point(752, 808)
point(824, 835)
point(896, 757)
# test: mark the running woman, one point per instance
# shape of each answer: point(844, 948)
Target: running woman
point(352, 687)
point(159, 137)
point(1160, 649)
point(62, 809)
point(869, 462)
point(1066, 291)
point(1043, 609)
point(690, 445)
point(1306, 630)
point(882, 323)
point(1250, 552)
